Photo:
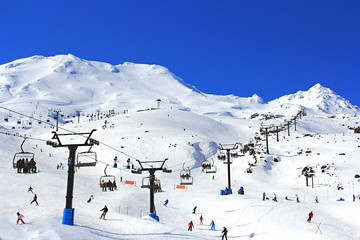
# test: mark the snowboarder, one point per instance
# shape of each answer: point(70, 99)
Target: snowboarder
point(316, 199)
point(20, 216)
point(90, 198)
point(191, 225)
point(30, 189)
point(34, 200)
point(194, 211)
point(224, 231)
point(310, 216)
point(105, 210)
point(201, 220)
point(212, 224)
point(166, 202)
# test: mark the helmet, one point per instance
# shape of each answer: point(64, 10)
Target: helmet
point(18, 213)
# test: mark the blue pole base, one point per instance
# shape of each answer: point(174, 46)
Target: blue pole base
point(223, 192)
point(154, 216)
point(68, 216)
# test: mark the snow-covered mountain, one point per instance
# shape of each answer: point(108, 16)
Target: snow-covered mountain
point(71, 83)
point(319, 99)
point(186, 129)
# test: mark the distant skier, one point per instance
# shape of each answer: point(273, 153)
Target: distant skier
point(316, 199)
point(212, 224)
point(275, 198)
point(201, 220)
point(191, 225)
point(30, 189)
point(20, 218)
point(90, 198)
point(34, 200)
point(353, 197)
point(264, 195)
point(105, 210)
point(194, 210)
point(310, 216)
point(166, 202)
point(224, 231)
point(297, 198)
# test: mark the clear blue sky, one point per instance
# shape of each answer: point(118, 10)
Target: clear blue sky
point(240, 47)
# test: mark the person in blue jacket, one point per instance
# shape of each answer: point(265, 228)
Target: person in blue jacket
point(212, 224)
point(166, 202)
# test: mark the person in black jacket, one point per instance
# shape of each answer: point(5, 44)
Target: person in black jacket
point(224, 231)
point(105, 210)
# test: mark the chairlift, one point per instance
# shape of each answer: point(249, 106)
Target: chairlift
point(106, 177)
point(185, 176)
point(208, 166)
point(22, 155)
point(86, 159)
point(146, 182)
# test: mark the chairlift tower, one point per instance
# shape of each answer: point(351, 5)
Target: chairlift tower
point(151, 184)
point(78, 114)
point(57, 118)
point(68, 214)
point(228, 148)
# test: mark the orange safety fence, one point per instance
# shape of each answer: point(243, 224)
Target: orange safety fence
point(180, 187)
point(130, 182)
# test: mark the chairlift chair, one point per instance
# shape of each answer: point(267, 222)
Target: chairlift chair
point(185, 176)
point(22, 154)
point(146, 182)
point(86, 159)
point(106, 177)
point(208, 166)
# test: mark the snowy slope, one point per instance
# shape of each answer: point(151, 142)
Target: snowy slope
point(186, 129)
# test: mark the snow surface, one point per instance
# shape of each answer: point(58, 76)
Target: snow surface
point(186, 128)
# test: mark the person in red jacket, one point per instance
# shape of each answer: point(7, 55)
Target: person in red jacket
point(191, 225)
point(310, 216)
point(20, 216)
point(201, 220)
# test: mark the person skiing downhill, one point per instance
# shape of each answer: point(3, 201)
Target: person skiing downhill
point(191, 225)
point(194, 210)
point(30, 189)
point(34, 200)
point(90, 198)
point(166, 202)
point(20, 216)
point(224, 231)
point(105, 210)
point(310, 216)
point(212, 224)
point(201, 220)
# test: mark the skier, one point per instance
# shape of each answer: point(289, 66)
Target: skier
point(310, 216)
point(105, 210)
point(201, 220)
point(316, 199)
point(166, 202)
point(34, 200)
point(275, 198)
point(224, 231)
point(264, 196)
point(212, 224)
point(90, 198)
point(30, 189)
point(297, 198)
point(191, 225)
point(194, 210)
point(353, 197)
point(20, 216)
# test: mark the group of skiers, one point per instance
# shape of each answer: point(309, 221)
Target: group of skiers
point(212, 225)
point(26, 166)
point(108, 185)
point(34, 200)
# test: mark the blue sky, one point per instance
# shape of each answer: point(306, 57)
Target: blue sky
point(240, 47)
